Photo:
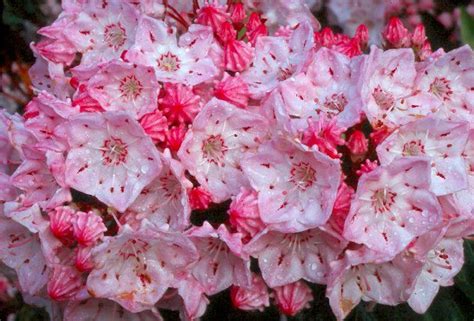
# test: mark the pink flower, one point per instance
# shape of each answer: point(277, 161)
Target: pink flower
point(156, 46)
point(179, 104)
point(255, 297)
point(64, 283)
point(20, 249)
point(120, 86)
point(296, 188)
point(332, 75)
point(244, 215)
point(277, 59)
point(214, 147)
point(392, 206)
point(292, 298)
point(110, 157)
point(102, 33)
point(365, 274)
point(88, 228)
point(222, 261)
point(441, 141)
point(396, 35)
point(233, 90)
point(441, 264)
point(199, 198)
point(165, 199)
point(446, 79)
point(388, 89)
point(285, 258)
point(131, 272)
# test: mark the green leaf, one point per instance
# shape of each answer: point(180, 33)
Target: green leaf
point(465, 279)
point(467, 28)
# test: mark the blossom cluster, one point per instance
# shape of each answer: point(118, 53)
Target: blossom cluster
point(328, 162)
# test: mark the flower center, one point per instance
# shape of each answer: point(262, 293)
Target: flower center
point(114, 152)
point(168, 62)
point(302, 175)
point(130, 87)
point(413, 148)
point(440, 88)
point(383, 99)
point(382, 200)
point(214, 149)
point(335, 104)
point(115, 35)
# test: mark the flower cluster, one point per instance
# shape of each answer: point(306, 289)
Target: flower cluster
point(326, 162)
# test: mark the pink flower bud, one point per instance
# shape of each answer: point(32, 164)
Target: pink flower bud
point(255, 297)
point(199, 198)
point(64, 284)
point(155, 125)
point(255, 28)
point(362, 35)
point(175, 136)
point(237, 55)
point(325, 135)
point(244, 214)
point(226, 32)
point(233, 90)
point(212, 15)
point(395, 33)
point(237, 12)
point(88, 228)
point(179, 104)
point(419, 36)
point(292, 298)
point(60, 223)
point(357, 143)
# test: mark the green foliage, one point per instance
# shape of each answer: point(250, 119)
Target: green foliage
point(467, 28)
